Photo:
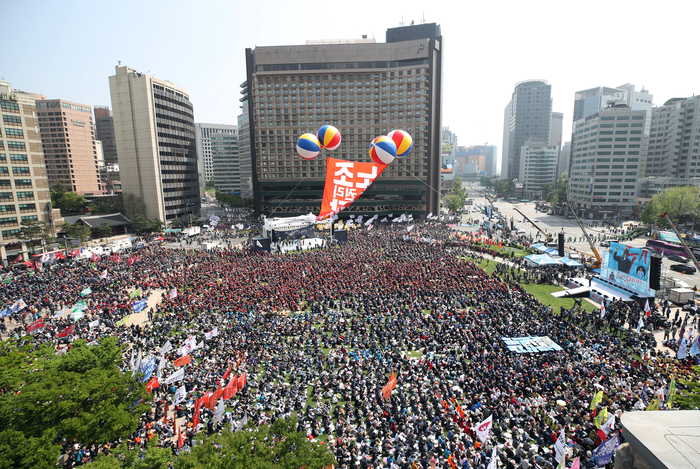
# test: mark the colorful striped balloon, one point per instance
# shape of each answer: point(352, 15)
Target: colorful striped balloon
point(382, 150)
point(308, 146)
point(329, 137)
point(403, 141)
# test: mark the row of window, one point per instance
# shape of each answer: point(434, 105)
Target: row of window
point(14, 158)
point(20, 195)
point(19, 183)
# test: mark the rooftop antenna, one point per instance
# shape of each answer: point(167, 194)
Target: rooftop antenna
point(401, 23)
point(423, 20)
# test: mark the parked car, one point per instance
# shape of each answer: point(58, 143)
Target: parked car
point(676, 258)
point(605, 244)
point(684, 269)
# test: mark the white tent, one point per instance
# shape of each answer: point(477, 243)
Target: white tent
point(541, 259)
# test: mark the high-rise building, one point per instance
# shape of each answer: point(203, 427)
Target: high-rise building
point(639, 100)
point(588, 102)
point(528, 115)
point(363, 88)
point(227, 162)
point(205, 158)
point(24, 185)
point(449, 147)
point(154, 129)
point(244, 142)
point(104, 127)
point(70, 152)
point(538, 166)
point(556, 128)
point(674, 142)
point(564, 159)
point(609, 154)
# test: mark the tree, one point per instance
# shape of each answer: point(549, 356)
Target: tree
point(80, 395)
point(210, 184)
point(139, 224)
point(34, 232)
point(453, 202)
point(459, 191)
point(104, 231)
point(77, 230)
point(177, 223)
point(66, 201)
point(156, 225)
point(20, 452)
point(678, 202)
point(486, 181)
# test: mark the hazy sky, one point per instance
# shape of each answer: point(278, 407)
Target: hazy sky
point(69, 49)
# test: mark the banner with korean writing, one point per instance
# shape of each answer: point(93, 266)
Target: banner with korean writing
point(345, 182)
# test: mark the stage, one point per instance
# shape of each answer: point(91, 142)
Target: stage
point(294, 245)
point(598, 290)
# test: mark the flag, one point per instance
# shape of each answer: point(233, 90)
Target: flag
point(183, 360)
point(195, 417)
point(603, 454)
point(695, 349)
point(94, 324)
point(493, 463)
point(242, 423)
point(180, 439)
point(345, 182)
point(682, 350)
point(139, 306)
point(601, 417)
point(59, 313)
point(602, 310)
point(35, 325)
point(177, 376)
point(231, 388)
point(596, 399)
point(647, 308)
point(19, 305)
point(123, 321)
point(608, 426)
point(484, 428)
point(6, 312)
point(66, 332)
point(640, 324)
point(134, 293)
point(644, 396)
point(103, 275)
point(173, 293)
point(241, 381)
point(93, 258)
point(166, 348)
point(132, 364)
point(559, 446)
point(671, 393)
point(577, 463)
point(219, 412)
point(152, 384)
point(161, 365)
point(179, 395)
point(227, 373)
point(213, 333)
point(86, 292)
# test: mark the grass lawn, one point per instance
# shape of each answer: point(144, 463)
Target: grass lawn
point(543, 294)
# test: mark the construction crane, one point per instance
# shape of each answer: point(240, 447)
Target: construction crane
point(680, 238)
point(549, 238)
point(598, 260)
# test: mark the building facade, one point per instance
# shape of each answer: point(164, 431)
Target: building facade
point(528, 115)
point(104, 128)
point(24, 184)
point(363, 88)
point(564, 159)
point(244, 143)
point(609, 154)
point(227, 162)
point(556, 129)
point(592, 100)
point(538, 166)
point(70, 152)
point(674, 142)
point(155, 134)
point(205, 158)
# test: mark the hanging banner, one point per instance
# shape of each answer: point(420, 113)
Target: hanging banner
point(183, 360)
point(345, 182)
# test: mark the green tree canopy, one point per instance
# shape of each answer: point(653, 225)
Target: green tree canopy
point(678, 202)
point(77, 230)
point(104, 231)
point(69, 202)
point(139, 224)
point(156, 225)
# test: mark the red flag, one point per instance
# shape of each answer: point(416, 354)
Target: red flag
point(500, 244)
point(66, 332)
point(664, 215)
point(345, 182)
point(195, 417)
point(35, 325)
point(241, 381)
point(601, 434)
point(183, 360)
point(75, 253)
point(392, 381)
point(180, 439)
point(214, 397)
point(228, 372)
point(93, 258)
point(130, 261)
point(231, 388)
point(152, 384)
point(61, 255)
point(452, 464)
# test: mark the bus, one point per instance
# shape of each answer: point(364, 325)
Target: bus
point(667, 249)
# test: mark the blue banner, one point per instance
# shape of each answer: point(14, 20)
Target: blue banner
point(5, 312)
point(140, 305)
point(147, 369)
point(604, 453)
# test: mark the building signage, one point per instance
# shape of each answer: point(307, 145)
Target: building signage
point(8, 96)
point(78, 123)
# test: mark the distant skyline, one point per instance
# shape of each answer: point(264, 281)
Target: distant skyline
point(68, 50)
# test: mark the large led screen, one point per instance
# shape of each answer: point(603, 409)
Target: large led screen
point(628, 267)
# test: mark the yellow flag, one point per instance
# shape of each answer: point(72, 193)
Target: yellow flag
point(596, 399)
point(602, 417)
point(671, 393)
point(123, 321)
point(654, 405)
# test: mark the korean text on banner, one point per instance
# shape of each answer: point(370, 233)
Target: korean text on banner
point(345, 182)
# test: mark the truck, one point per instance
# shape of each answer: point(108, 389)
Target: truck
point(119, 245)
point(192, 231)
point(680, 296)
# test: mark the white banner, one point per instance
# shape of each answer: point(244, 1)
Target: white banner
point(180, 395)
point(213, 333)
point(219, 411)
point(94, 324)
point(484, 428)
point(177, 376)
point(166, 348)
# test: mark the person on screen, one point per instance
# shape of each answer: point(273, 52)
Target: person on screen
point(624, 263)
point(641, 271)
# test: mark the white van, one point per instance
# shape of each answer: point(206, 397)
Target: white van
point(119, 245)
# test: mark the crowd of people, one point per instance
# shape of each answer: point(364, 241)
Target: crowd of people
point(318, 333)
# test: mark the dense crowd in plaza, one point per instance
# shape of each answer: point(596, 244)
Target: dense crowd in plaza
point(319, 332)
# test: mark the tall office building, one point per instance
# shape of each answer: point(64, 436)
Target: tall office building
point(588, 102)
point(244, 142)
point(556, 127)
point(674, 143)
point(528, 115)
point(449, 147)
point(104, 127)
point(24, 185)
point(205, 158)
point(564, 159)
point(538, 166)
point(609, 154)
point(70, 152)
point(154, 128)
point(363, 88)
point(227, 162)
point(639, 100)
